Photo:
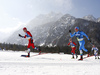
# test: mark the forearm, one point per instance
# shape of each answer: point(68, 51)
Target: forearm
point(21, 36)
point(72, 35)
point(85, 36)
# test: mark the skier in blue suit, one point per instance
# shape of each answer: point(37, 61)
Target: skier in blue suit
point(95, 51)
point(79, 35)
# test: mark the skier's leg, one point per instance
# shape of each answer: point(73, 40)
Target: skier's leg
point(28, 51)
point(80, 49)
point(98, 54)
point(29, 44)
point(95, 54)
point(72, 56)
point(81, 55)
point(83, 43)
point(39, 50)
point(33, 45)
point(76, 55)
point(72, 53)
point(75, 52)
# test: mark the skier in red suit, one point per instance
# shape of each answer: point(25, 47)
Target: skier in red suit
point(30, 39)
point(72, 44)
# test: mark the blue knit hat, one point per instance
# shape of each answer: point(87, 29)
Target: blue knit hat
point(77, 28)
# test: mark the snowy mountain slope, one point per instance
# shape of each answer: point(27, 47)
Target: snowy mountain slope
point(57, 32)
point(43, 19)
point(59, 29)
point(43, 32)
point(90, 18)
point(37, 22)
point(49, 64)
point(91, 28)
point(98, 19)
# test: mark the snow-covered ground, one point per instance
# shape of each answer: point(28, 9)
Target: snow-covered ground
point(47, 64)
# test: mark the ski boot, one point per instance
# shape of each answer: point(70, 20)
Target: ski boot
point(81, 58)
point(88, 54)
point(28, 51)
point(39, 52)
point(98, 58)
point(72, 57)
point(95, 57)
point(28, 55)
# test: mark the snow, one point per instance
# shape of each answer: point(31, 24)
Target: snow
point(42, 44)
point(98, 19)
point(47, 64)
point(90, 18)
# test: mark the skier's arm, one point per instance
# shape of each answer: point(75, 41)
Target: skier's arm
point(69, 43)
point(21, 36)
point(92, 49)
point(72, 35)
point(74, 43)
point(25, 36)
point(29, 34)
point(97, 48)
point(85, 35)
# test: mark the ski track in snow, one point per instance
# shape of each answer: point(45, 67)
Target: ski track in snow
point(47, 64)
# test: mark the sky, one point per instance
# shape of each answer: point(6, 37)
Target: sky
point(17, 13)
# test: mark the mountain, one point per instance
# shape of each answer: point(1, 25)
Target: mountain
point(43, 19)
point(90, 18)
point(98, 19)
point(55, 31)
point(37, 26)
point(58, 30)
point(60, 35)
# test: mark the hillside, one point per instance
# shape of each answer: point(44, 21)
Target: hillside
point(56, 32)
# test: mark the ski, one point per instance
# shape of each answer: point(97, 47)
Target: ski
point(25, 56)
point(32, 55)
point(88, 57)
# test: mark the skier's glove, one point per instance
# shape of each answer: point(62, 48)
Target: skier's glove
point(20, 35)
point(70, 31)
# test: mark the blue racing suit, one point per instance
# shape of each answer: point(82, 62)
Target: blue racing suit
point(80, 38)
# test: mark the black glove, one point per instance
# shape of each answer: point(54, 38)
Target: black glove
point(20, 35)
point(70, 31)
